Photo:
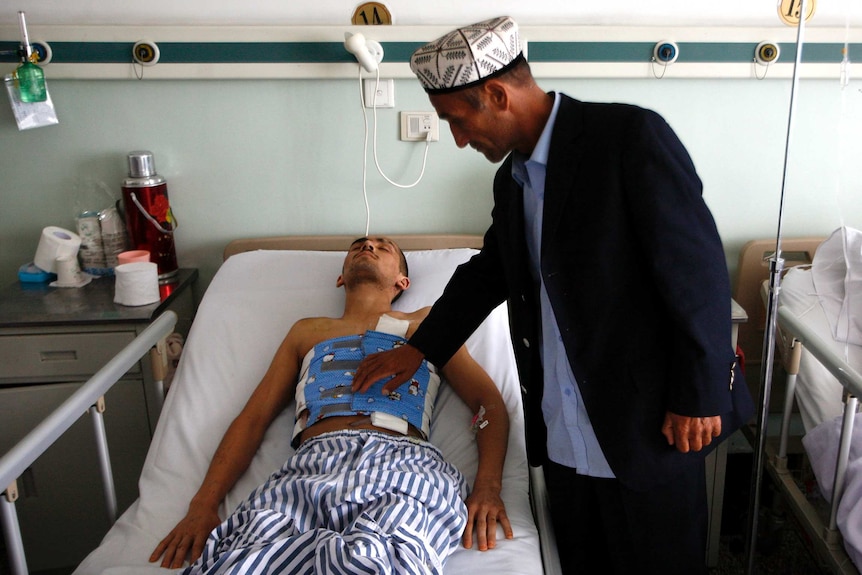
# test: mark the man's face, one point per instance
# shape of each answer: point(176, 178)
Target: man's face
point(479, 127)
point(372, 258)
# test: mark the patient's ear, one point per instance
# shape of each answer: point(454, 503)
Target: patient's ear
point(340, 281)
point(403, 282)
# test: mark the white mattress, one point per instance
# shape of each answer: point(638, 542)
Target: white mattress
point(248, 308)
point(818, 393)
point(824, 297)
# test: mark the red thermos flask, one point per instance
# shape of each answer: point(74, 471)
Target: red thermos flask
point(149, 219)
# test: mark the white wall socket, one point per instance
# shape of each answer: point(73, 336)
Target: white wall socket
point(415, 126)
point(385, 96)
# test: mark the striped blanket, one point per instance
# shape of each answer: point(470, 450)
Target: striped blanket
point(346, 502)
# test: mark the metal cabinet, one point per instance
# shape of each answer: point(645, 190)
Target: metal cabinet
point(51, 341)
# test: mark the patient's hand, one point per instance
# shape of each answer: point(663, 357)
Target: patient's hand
point(690, 433)
point(186, 539)
point(399, 364)
point(485, 509)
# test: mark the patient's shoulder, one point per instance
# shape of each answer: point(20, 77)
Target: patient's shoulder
point(418, 314)
point(308, 332)
point(315, 323)
point(414, 317)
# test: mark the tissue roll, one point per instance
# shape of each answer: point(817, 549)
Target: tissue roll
point(55, 243)
point(136, 284)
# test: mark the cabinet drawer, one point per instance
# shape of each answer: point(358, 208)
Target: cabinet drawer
point(61, 354)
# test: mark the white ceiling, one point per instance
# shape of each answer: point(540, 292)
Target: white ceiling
point(755, 13)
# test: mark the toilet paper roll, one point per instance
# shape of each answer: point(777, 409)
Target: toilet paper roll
point(55, 243)
point(136, 283)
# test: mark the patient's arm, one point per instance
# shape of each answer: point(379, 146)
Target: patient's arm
point(232, 457)
point(485, 507)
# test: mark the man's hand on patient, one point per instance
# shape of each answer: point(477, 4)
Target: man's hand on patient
point(187, 538)
point(398, 364)
point(485, 509)
point(690, 433)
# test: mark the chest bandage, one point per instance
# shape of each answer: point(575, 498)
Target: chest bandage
point(327, 375)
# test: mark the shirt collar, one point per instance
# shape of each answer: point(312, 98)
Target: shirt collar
point(542, 149)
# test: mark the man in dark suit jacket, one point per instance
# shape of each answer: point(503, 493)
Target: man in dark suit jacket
point(619, 303)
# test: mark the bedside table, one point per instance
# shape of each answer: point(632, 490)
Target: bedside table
point(51, 341)
point(716, 462)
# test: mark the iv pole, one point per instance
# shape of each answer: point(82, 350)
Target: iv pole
point(776, 266)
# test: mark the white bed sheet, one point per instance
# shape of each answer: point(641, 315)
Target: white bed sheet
point(819, 295)
point(248, 308)
point(818, 393)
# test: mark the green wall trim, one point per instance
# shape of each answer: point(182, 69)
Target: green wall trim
point(334, 52)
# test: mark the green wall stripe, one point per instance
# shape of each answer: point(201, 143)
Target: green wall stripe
point(334, 52)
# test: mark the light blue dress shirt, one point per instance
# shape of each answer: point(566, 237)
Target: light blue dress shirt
point(571, 439)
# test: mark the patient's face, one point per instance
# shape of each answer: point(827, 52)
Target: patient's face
point(373, 258)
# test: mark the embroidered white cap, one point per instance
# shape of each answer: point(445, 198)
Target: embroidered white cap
point(467, 56)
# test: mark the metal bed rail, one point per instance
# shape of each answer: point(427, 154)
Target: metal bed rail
point(798, 335)
point(88, 398)
point(542, 515)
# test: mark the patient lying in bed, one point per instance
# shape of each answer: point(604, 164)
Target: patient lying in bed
point(364, 489)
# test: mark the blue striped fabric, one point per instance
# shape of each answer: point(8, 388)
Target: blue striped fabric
point(360, 502)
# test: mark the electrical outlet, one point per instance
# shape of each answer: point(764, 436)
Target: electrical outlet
point(385, 96)
point(415, 126)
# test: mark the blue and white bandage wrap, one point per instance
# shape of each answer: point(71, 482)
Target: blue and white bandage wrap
point(324, 389)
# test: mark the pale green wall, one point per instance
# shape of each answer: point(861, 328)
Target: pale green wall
point(270, 157)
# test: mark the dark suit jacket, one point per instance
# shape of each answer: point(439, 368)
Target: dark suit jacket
point(637, 279)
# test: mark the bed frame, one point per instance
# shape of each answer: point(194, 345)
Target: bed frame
point(752, 271)
point(538, 490)
point(823, 532)
point(88, 398)
point(792, 335)
point(152, 341)
point(336, 243)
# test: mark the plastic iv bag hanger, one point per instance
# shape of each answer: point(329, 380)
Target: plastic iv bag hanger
point(369, 54)
point(28, 92)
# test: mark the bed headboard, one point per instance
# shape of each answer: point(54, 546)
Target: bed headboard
point(752, 271)
point(335, 243)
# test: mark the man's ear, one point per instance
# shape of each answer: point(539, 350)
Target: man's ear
point(496, 93)
point(340, 281)
point(403, 283)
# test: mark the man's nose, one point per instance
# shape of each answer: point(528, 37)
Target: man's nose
point(368, 246)
point(461, 139)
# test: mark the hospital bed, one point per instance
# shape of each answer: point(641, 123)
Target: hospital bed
point(823, 381)
point(260, 290)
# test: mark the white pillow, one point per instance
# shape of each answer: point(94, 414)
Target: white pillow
point(837, 273)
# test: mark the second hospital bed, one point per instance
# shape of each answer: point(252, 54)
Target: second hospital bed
point(261, 289)
point(820, 310)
